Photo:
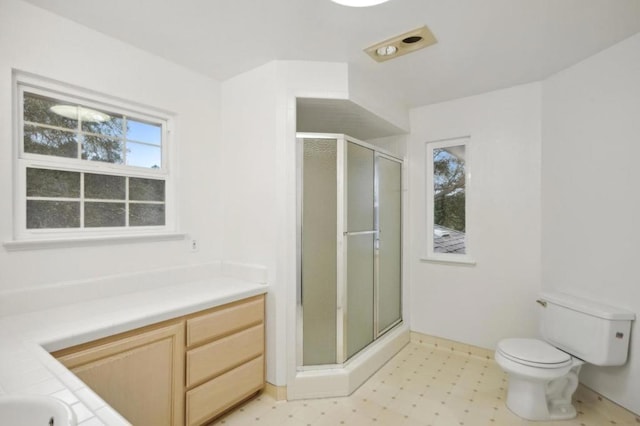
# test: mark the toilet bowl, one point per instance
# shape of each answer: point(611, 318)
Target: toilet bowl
point(543, 375)
point(542, 379)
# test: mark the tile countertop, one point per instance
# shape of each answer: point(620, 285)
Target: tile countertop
point(26, 367)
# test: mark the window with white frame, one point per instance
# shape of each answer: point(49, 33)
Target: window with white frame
point(447, 182)
point(87, 167)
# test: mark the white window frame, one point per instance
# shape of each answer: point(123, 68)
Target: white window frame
point(24, 238)
point(430, 254)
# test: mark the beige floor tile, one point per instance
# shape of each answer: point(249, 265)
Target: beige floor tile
point(423, 385)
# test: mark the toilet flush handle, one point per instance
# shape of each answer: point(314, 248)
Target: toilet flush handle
point(542, 303)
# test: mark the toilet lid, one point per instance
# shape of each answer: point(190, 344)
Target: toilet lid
point(533, 352)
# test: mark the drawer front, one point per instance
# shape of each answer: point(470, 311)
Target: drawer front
point(225, 320)
point(221, 355)
point(215, 396)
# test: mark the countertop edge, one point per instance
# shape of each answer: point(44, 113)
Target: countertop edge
point(32, 343)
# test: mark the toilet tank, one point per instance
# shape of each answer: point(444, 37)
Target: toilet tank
point(591, 331)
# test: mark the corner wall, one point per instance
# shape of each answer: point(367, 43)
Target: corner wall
point(39, 42)
point(495, 298)
point(259, 174)
point(590, 198)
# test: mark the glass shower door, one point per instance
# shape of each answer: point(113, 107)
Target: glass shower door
point(389, 244)
point(349, 245)
point(319, 195)
point(359, 240)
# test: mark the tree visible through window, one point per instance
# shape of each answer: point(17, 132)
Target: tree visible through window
point(447, 196)
point(85, 166)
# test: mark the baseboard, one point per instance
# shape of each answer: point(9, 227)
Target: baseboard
point(279, 393)
point(451, 345)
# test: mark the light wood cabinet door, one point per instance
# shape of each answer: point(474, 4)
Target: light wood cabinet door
point(140, 373)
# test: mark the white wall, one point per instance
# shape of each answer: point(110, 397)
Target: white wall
point(258, 171)
point(495, 298)
point(39, 42)
point(590, 201)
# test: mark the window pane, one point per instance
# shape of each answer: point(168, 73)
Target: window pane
point(144, 155)
point(96, 148)
point(360, 188)
point(53, 214)
point(52, 183)
point(449, 200)
point(144, 132)
point(40, 109)
point(104, 187)
point(102, 123)
point(146, 214)
point(59, 143)
point(146, 189)
point(104, 214)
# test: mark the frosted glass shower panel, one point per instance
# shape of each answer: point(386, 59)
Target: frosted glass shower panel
point(360, 255)
point(319, 251)
point(360, 187)
point(360, 303)
point(390, 241)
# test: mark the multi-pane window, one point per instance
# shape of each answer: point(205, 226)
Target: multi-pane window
point(447, 189)
point(84, 166)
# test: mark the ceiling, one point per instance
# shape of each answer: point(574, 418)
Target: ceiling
point(482, 45)
point(341, 116)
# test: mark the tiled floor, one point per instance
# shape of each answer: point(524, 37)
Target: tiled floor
point(423, 385)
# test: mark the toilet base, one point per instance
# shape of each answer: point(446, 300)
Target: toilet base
point(541, 400)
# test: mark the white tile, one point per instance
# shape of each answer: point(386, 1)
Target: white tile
point(66, 396)
point(82, 412)
point(90, 398)
point(93, 421)
point(16, 382)
point(48, 387)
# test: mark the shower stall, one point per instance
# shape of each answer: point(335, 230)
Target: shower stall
point(350, 249)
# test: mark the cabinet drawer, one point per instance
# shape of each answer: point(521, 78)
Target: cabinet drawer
point(225, 320)
point(215, 396)
point(221, 355)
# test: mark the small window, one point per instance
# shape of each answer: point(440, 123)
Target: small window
point(447, 169)
point(86, 167)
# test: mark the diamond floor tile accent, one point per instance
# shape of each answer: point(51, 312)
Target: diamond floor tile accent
point(423, 385)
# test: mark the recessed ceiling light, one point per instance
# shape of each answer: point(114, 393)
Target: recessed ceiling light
point(359, 3)
point(386, 50)
point(402, 44)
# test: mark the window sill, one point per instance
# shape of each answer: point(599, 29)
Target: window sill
point(21, 245)
point(462, 260)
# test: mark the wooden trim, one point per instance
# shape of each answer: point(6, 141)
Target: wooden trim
point(64, 353)
point(279, 393)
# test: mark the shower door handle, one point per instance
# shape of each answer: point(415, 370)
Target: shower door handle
point(350, 233)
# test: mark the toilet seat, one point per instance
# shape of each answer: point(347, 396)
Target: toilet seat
point(533, 353)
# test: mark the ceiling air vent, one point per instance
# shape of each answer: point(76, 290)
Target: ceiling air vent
point(402, 44)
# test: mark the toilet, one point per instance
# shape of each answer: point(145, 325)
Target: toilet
point(543, 374)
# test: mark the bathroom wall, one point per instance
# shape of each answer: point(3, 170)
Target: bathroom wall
point(258, 127)
point(494, 298)
point(590, 202)
point(259, 173)
point(39, 42)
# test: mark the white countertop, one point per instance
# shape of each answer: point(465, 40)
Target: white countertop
point(26, 367)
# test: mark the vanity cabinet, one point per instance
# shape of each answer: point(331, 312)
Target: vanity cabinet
point(139, 373)
point(224, 358)
point(184, 371)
